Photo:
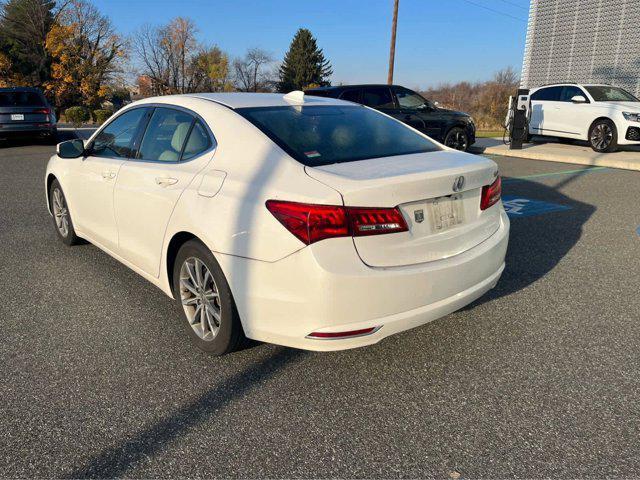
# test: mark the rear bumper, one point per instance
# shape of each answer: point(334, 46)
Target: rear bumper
point(327, 288)
point(24, 129)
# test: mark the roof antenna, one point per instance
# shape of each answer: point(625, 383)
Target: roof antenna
point(296, 96)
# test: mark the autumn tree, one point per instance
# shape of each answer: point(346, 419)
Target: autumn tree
point(304, 64)
point(24, 26)
point(85, 53)
point(252, 71)
point(173, 60)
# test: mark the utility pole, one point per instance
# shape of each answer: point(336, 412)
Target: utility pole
point(392, 50)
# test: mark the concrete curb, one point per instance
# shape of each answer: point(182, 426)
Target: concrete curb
point(561, 153)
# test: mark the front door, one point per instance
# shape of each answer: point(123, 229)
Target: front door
point(94, 179)
point(416, 111)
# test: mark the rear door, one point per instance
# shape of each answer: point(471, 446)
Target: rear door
point(175, 147)
point(23, 108)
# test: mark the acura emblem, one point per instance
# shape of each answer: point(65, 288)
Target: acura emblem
point(458, 184)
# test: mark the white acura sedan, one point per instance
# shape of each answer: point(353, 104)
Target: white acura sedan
point(308, 222)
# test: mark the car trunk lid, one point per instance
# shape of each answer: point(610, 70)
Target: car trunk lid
point(442, 222)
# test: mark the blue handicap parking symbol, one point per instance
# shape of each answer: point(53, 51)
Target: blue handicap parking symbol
point(518, 207)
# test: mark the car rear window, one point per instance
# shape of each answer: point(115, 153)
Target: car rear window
point(20, 99)
point(322, 135)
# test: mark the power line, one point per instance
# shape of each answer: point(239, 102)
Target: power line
point(514, 4)
point(498, 12)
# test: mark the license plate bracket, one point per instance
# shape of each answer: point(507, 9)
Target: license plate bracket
point(446, 212)
point(17, 117)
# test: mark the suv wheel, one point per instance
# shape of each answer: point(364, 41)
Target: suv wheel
point(210, 315)
point(457, 138)
point(603, 136)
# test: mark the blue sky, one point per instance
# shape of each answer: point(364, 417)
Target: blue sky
point(438, 40)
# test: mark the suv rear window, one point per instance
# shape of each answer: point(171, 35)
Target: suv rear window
point(322, 135)
point(21, 99)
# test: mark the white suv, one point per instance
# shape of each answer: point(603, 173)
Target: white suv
point(603, 115)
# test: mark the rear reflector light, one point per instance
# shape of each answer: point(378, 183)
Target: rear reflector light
point(311, 223)
point(44, 111)
point(491, 194)
point(352, 333)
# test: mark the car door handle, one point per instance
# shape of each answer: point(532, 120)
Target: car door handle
point(107, 175)
point(166, 181)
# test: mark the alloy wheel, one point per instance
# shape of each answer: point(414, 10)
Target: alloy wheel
point(601, 136)
point(60, 212)
point(200, 298)
point(457, 139)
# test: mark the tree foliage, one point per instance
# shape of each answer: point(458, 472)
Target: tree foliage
point(173, 61)
point(304, 64)
point(486, 101)
point(252, 71)
point(24, 25)
point(85, 54)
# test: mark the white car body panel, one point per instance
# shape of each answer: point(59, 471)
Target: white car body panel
point(283, 288)
point(573, 120)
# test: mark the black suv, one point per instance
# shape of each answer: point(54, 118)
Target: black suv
point(454, 129)
point(25, 111)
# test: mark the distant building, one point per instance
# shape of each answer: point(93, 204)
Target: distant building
point(583, 41)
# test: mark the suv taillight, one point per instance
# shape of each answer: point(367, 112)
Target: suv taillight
point(44, 111)
point(491, 194)
point(311, 223)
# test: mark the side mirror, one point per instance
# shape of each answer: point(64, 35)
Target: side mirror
point(70, 149)
point(579, 99)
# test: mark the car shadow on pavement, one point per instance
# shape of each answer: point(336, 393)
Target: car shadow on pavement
point(538, 242)
point(117, 460)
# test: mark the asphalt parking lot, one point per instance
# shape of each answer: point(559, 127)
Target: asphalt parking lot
point(540, 378)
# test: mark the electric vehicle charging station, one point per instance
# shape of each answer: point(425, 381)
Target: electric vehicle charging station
point(517, 121)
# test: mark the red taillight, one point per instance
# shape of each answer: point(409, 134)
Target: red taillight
point(491, 194)
point(44, 111)
point(311, 223)
point(352, 333)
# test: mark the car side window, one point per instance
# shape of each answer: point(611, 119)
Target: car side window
point(408, 99)
point(198, 141)
point(351, 95)
point(377, 97)
point(569, 92)
point(165, 135)
point(551, 94)
point(116, 139)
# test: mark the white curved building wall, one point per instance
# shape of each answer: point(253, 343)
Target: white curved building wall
point(583, 41)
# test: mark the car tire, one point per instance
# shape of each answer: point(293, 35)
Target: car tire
point(61, 216)
point(210, 315)
point(457, 139)
point(603, 136)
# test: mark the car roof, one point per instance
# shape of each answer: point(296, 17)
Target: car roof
point(344, 87)
point(246, 100)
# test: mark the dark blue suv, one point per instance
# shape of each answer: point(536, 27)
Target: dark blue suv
point(454, 129)
point(25, 112)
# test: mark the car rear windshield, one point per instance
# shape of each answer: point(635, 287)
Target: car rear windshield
point(611, 94)
point(20, 99)
point(322, 135)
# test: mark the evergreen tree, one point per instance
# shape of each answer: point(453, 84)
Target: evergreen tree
point(24, 25)
point(304, 64)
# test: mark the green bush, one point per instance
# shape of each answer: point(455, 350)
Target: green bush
point(77, 115)
point(101, 115)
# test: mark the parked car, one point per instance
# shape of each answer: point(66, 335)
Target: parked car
point(453, 129)
point(25, 112)
point(296, 220)
point(603, 115)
